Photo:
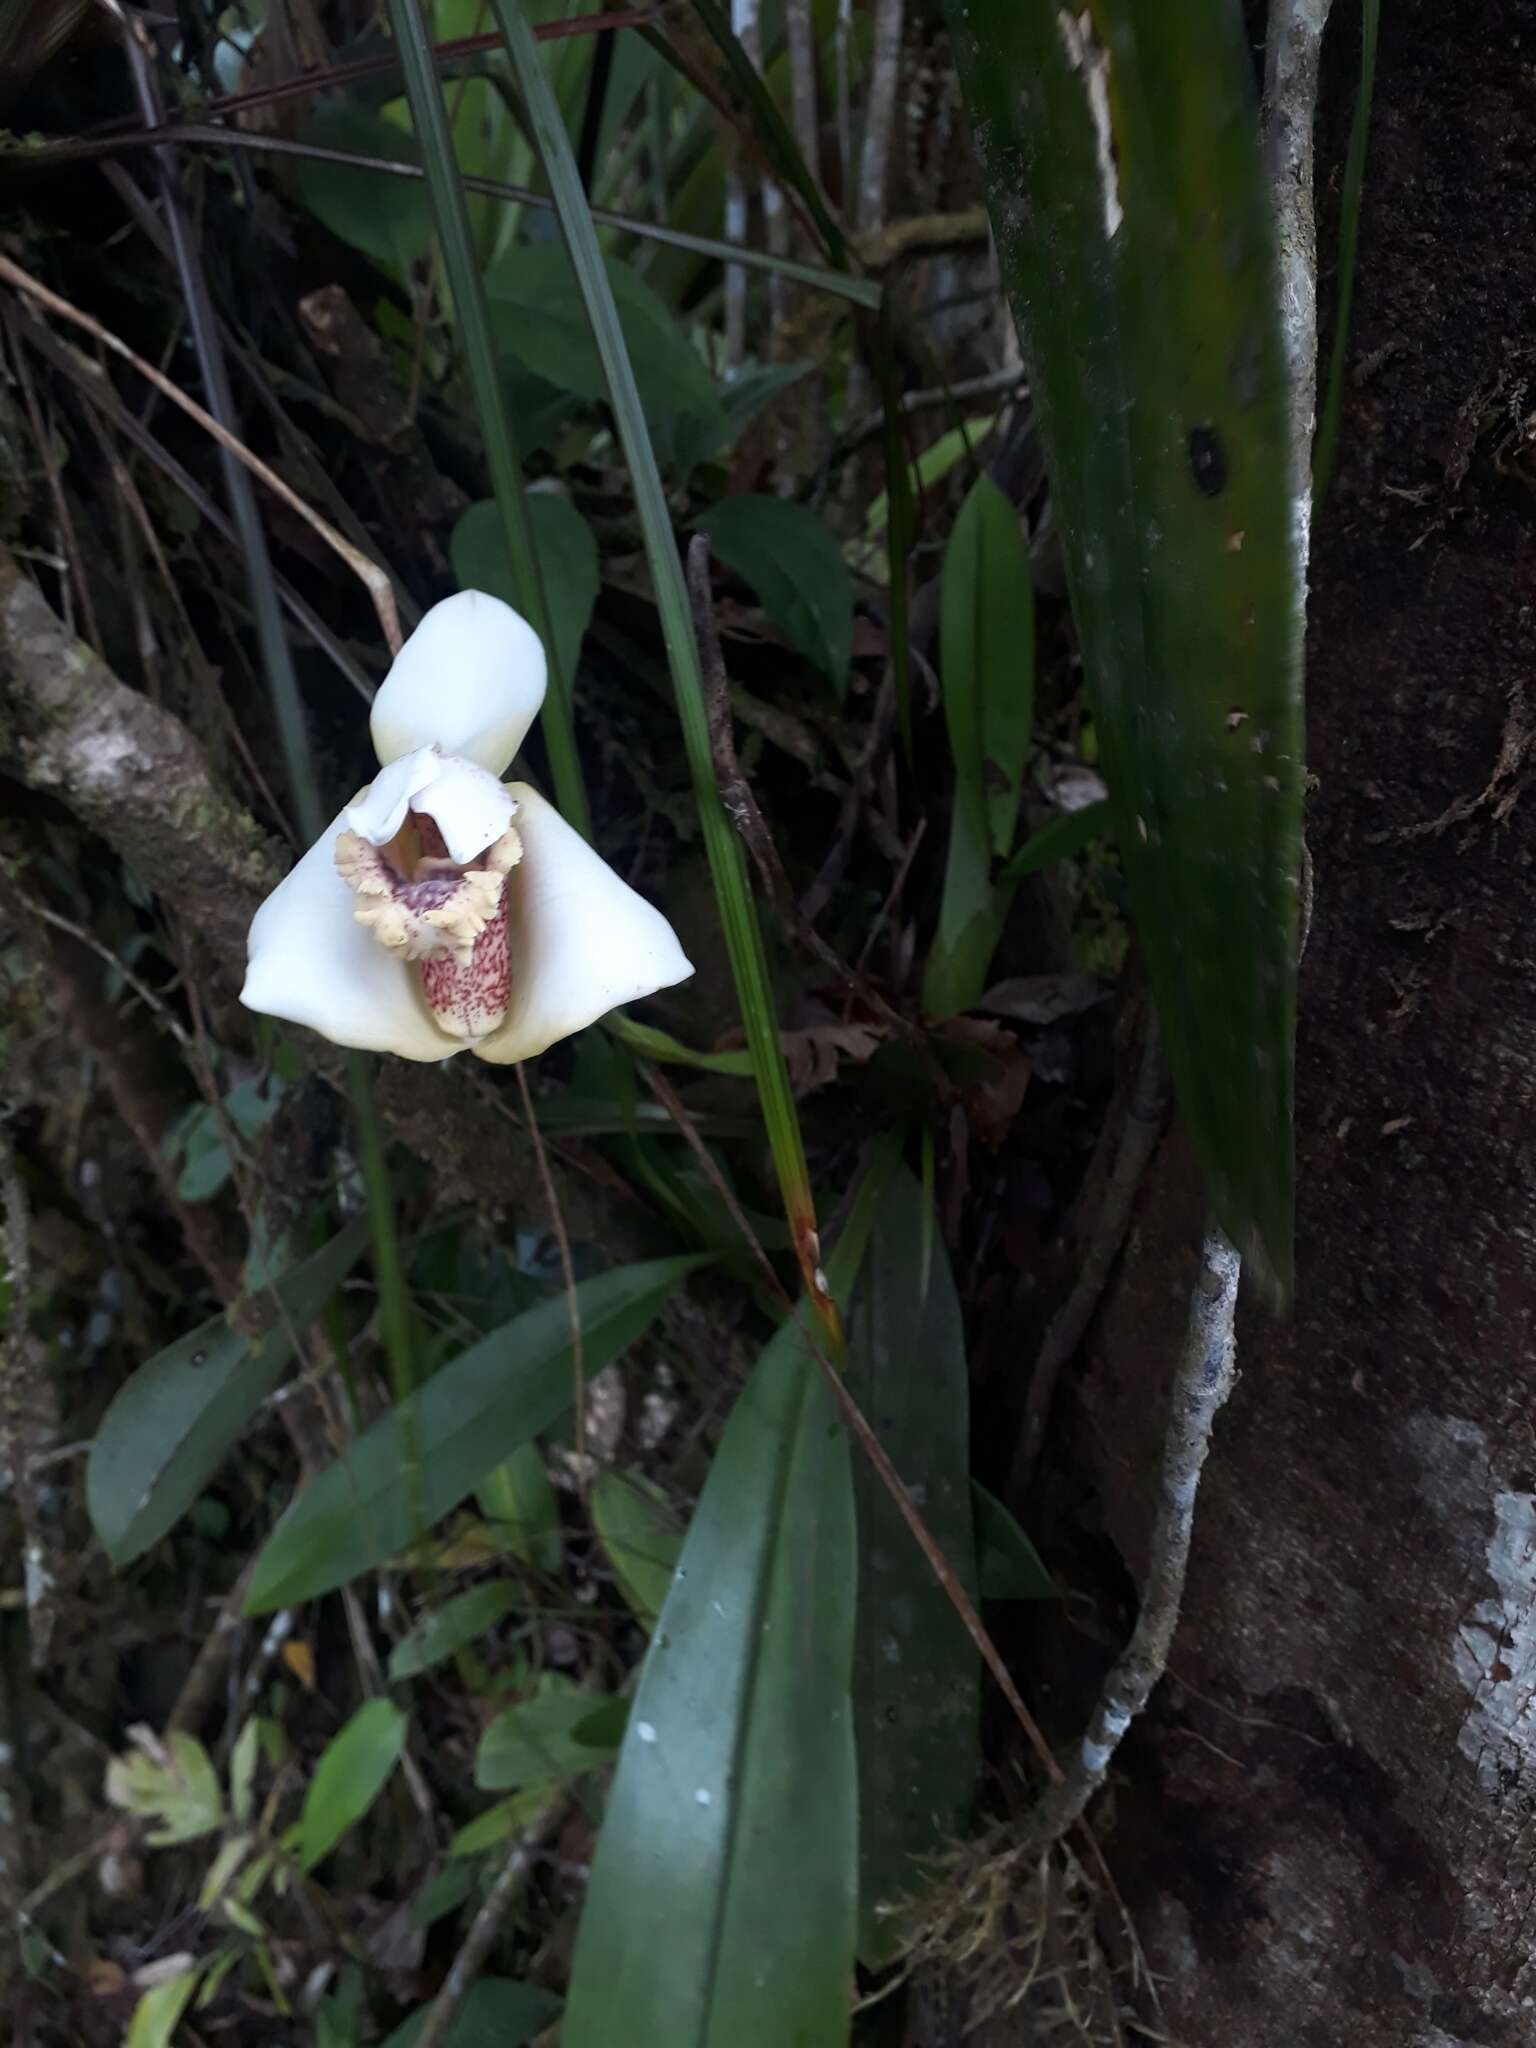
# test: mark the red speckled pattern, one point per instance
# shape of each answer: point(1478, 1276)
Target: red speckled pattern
point(471, 1000)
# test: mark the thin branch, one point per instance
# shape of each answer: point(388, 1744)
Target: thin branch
point(369, 573)
point(1201, 1383)
point(471, 1958)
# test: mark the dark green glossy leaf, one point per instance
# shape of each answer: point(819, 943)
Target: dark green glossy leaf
point(797, 569)
point(474, 1413)
point(389, 219)
point(917, 1682)
point(721, 1908)
point(568, 563)
point(1008, 1565)
point(168, 1428)
point(537, 315)
point(497, 2012)
point(1119, 149)
point(987, 666)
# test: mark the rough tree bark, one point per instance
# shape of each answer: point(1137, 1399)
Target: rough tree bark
point(1327, 1826)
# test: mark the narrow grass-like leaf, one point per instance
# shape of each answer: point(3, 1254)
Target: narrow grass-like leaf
point(466, 1419)
point(797, 569)
point(917, 1679)
point(638, 1530)
point(1329, 418)
point(720, 1912)
point(567, 557)
point(1120, 153)
point(461, 265)
point(358, 1762)
point(773, 133)
point(1065, 836)
point(743, 935)
point(987, 667)
point(168, 1428)
point(158, 2012)
point(451, 1628)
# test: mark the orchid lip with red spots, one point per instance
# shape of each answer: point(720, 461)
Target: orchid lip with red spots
point(424, 921)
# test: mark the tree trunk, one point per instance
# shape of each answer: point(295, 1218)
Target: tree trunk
point(1326, 1828)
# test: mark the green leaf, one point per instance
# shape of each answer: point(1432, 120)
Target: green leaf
point(519, 1502)
point(156, 2015)
point(458, 1622)
point(474, 1413)
point(567, 554)
point(1063, 837)
point(497, 2012)
point(1120, 152)
point(639, 1531)
point(987, 654)
point(172, 1783)
point(535, 1742)
point(499, 1823)
point(797, 569)
point(1007, 1563)
point(358, 1763)
point(987, 663)
point(537, 315)
point(388, 218)
point(720, 1912)
point(168, 1427)
point(917, 1680)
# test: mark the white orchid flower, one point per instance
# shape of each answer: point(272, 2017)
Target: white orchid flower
point(444, 910)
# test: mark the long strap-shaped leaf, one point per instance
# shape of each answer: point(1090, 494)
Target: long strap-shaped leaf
point(1119, 147)
point(721, 1908)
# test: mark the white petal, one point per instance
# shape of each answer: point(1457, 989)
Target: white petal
point(311, 962)
point(582, 941)
point(469, 807)
point(470, 679)
point(380, 810)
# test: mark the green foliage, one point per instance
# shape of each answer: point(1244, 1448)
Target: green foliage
point(538, 1742)
point(1141, 267)
point(358, 1763)
point(537, 315)
point(790, 559)
point(720, 1912)
point(987, 663)
point(917, 1681)
point(158, 2012)
point(171, 1783)
point(450, 1628)
point(388, 219)
point(567, 553)
point(169, 1427)
point(1070, 833)
point(639, 1531)
point(460, 1425)
point(1008, 1566)
point(496, 2012)
point(519, 1502)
